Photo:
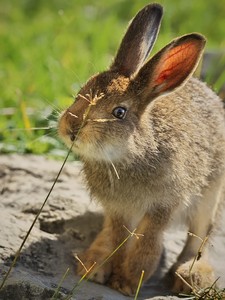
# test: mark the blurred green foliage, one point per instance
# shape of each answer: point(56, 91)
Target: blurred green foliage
point(50, 48)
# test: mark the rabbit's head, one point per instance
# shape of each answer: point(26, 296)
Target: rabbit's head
point(106, 118)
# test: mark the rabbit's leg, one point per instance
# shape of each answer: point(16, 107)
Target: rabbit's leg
point(142, 253)
point(201, 274)
point(96, 254)
point(100, 249)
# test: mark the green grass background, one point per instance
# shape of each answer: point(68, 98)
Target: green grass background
point(48, 49)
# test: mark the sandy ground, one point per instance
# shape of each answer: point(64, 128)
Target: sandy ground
point(69, 222)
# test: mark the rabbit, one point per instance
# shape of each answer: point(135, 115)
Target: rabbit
point(152, 141)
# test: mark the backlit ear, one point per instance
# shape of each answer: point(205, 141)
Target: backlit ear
point(172, 66)
point(138, 40)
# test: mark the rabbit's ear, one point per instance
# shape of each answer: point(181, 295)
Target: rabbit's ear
point(171, 66)
point(138, 40)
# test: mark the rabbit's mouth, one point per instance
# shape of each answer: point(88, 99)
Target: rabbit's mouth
point(88, 141)
point(104, 153)
point(73, 134)
point(68, 128)
point(89, 149)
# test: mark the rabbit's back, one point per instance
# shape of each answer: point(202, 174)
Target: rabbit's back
point(189, 126)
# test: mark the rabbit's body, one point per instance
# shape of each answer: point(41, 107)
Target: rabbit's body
point(151, 151)
point(183, 156)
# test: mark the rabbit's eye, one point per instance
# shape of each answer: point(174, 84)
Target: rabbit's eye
point(119, 112)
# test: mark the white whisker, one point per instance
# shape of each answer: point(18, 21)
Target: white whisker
point(112, 164)
point(32, 128)
point(114, 168)
point(54, 107)
point(50, 134)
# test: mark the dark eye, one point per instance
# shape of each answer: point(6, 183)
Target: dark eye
point(119, 112)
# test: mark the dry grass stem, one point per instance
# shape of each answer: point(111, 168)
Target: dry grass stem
point(60, 284)
point(114, 251)
point(139, 284)
point(131, 234)
point(103, 120)
point(91, 100)
point(83, 265)
point(73, 115)
point(137, 235)
point(87, 271)
point(194, 235)
point(84, 97)
point(197, 257)
point(210, 293)
point(89, 97)
point(188, 284)
point(35, 219)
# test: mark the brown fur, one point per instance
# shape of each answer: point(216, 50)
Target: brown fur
point(165, 158)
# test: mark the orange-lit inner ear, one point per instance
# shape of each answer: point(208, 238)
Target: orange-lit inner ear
point(175, 65)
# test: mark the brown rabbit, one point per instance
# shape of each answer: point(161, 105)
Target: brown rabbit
point(152, 140)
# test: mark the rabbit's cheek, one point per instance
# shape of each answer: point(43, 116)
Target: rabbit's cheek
point(114, 153)
point(98, 151)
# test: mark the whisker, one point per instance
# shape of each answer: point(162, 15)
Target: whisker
point(32, 128)
point(79, 83)
point(112, 182)
point(53, 106)
point(114, 168)
point(112, 164)
point(50, 134)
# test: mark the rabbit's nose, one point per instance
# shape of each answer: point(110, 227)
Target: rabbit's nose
point(73, 126)
point(73, 133)
point(72, 136)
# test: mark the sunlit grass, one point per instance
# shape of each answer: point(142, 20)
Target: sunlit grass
point(50, 48)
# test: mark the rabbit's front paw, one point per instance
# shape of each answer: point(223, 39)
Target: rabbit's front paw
point(91, 261)
point(201, 276)
point(123, 285)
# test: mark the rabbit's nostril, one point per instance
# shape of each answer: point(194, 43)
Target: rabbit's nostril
point(72, 137)
point(73, 133)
